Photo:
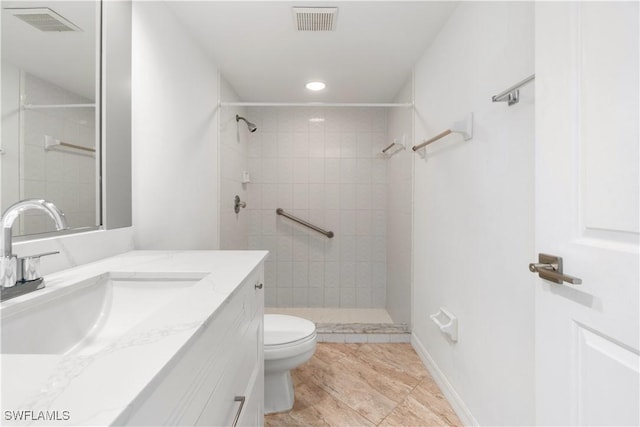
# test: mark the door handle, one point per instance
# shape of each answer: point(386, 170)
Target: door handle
point(240, 399)
point(549, 267)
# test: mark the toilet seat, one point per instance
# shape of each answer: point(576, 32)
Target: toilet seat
point(282, 329)
point(286, 336)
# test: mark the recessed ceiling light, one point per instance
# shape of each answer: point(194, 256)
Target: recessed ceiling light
point(315, 86)
point(316, 119)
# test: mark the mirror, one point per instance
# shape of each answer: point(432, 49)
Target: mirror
point(60, 121)
point(50, 110)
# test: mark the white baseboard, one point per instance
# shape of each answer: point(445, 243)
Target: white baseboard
point(458, 405)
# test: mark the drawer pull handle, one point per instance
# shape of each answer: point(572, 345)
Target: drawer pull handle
point(258, 286)
point(240, 399)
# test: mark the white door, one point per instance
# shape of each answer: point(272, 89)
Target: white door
point(587, 196)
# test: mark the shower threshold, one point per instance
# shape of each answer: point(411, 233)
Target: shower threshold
point(350, 325)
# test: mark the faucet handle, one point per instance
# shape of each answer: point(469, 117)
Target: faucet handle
point(29, 266)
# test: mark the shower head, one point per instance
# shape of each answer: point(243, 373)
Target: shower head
point(251, 126)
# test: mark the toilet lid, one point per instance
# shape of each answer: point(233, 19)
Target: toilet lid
point(283, 329)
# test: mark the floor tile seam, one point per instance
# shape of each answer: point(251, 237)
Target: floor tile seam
point(315, 405)
point(365, 379)
point(339, 358)
point(372, 364)
point(329, 390)
point(389, 414)
point(390, 369)
point(366, 364)
point(373, 423)
point(444, 420)
point(404, 398)
point(399, 403)
point(301, 422)
point(402, 401)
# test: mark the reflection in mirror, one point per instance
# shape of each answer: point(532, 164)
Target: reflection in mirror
point(50, 115)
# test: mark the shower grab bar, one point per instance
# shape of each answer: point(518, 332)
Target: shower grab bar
point(512, 95)
point(279, 211)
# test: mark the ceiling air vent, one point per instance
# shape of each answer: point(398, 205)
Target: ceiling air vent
point(43, 18)
point(315, 18)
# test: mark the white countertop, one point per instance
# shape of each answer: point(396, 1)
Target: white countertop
point(96, 388)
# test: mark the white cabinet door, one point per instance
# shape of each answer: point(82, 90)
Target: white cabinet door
point(587, 197)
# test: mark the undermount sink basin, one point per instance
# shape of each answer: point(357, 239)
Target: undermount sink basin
point(87, 316)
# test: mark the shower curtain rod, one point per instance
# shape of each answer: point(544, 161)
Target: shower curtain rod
point(312, 104)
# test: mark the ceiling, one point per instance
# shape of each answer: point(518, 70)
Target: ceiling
point(67, 59)
point(367, 58)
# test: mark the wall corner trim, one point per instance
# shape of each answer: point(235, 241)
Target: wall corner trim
point(458, 405)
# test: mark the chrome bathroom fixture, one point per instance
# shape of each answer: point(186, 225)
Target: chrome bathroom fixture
point(252, 127)
point(549, 267)
point(512, 95)
point(280, 211)
point(19, 276)
point(237, 204)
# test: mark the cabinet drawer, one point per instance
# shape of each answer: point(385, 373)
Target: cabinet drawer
point(230, 353)
point(240, 372)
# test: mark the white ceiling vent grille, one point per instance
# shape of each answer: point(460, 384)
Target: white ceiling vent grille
point(43, 18)
point(315, 18)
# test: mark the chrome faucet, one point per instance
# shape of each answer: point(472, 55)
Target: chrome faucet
point(19, 275)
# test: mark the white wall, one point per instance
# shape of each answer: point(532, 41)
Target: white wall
point(332, 174)
point(77, 249)
point(234, 137)
point(175, 152)
point(473, 219)
point(399, 208)
point(10, 143)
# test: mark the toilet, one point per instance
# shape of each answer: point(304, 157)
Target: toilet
point(289, 341)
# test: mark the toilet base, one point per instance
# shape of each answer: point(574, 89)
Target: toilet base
point(278, 392)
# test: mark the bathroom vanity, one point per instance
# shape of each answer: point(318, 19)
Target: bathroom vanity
point(143, 338)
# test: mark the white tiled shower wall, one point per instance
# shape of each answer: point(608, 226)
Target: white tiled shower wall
point(323, 165)
point(66, 178)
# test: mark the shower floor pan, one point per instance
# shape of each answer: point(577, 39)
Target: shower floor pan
point(350, 325)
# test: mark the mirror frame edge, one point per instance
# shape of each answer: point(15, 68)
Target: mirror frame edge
point(116, 60)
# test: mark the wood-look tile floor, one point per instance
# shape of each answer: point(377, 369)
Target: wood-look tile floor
point(365, 385)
